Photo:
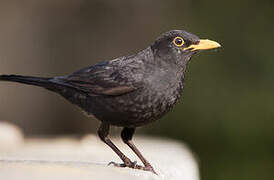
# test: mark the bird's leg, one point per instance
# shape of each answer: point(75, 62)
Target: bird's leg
point(103, 132)
point(126, 135)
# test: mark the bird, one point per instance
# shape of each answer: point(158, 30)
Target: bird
point(129, 91)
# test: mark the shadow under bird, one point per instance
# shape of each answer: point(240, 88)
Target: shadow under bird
point(128, 91)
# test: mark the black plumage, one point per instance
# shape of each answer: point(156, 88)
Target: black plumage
point(129, 91)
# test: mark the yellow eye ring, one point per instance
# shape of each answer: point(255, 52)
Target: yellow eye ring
point(178, 41)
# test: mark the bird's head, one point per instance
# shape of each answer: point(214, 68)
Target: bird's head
point(178, 46)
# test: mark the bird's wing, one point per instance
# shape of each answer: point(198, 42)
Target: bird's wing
point(101, 79)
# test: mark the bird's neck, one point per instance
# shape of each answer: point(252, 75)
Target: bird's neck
point(168, 63)
point(173, 60)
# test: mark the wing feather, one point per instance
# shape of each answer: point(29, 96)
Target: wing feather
point(101, 79)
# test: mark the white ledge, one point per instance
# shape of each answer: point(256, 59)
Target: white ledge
point(87, 158)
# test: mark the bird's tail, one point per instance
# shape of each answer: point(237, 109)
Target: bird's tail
point(54, 84)
point(37, 81)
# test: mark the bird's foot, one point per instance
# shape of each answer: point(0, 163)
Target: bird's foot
point(134, 165)
point(128, 164)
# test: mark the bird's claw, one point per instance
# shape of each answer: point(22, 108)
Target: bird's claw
point(133, 165)
point(128, 164)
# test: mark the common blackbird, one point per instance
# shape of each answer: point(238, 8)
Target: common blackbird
point(128, 91)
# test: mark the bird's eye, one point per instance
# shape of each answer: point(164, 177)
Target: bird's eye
point(178, 41)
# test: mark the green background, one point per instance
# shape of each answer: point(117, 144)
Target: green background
point(226, 113)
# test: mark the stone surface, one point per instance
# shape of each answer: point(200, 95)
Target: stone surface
point(87, 158)
point(11, 137)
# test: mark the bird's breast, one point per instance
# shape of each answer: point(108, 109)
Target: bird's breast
point(149, 103)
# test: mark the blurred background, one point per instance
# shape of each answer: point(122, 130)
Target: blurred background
point(226, 113)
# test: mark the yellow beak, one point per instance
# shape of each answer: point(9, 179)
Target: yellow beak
point(204, 44)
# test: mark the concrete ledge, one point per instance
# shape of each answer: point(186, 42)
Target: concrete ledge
point(87, 158)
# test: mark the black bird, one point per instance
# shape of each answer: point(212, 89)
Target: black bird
point(128, 91)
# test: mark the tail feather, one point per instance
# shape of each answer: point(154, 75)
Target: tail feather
point(56, 85)
point(38, 81)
